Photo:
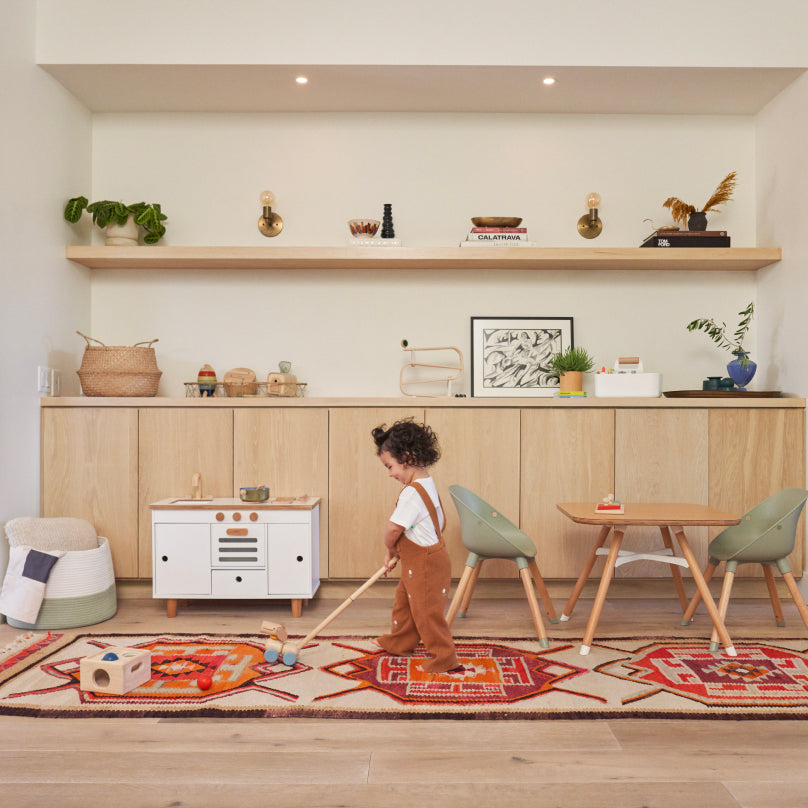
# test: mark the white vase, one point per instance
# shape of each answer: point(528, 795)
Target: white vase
point(122, 235)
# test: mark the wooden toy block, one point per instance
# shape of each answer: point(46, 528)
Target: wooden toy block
point(115, 670)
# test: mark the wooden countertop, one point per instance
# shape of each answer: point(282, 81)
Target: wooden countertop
point(787, 401)
point(303, 503)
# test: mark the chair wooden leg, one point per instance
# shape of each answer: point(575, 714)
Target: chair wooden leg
point(773, 596)
point(464, 604)
point(458, 595)
point(687, 617)
point(582, 578)
point(524, 574)
point(723, 605)
point(543, 593)
point(675, 571)
point(795, 594)
point(603, 588)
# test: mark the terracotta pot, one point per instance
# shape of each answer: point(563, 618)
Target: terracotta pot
point(572, 381)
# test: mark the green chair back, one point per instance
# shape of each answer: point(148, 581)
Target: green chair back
point(485, 531)
point(766, 533)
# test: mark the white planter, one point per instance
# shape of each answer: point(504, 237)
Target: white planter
point(122, 235)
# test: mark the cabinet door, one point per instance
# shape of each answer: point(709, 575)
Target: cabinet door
point(289, 561)
point(89, 471)
point(181, 560)
point(754, 454)
point(567, 456)
point(175, 443)
point(480, 451)
point(361, 494)
point(661, 456)
point(287, 450)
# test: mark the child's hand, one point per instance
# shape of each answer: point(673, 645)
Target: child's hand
point(390, 561)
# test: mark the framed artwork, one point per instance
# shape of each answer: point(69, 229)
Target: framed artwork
point(510, 355)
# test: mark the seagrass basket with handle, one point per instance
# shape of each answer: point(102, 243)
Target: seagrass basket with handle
point(119, 370)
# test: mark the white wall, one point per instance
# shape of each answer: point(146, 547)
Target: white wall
point(437, 170)
point(44, 159)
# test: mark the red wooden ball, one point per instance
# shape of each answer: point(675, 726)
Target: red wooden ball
point(204, 682)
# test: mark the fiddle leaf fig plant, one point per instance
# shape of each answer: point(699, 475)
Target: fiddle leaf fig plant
point(718, 333)
point(572, 359)
point(149, 216)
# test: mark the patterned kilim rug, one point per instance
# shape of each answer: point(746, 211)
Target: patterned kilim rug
point(347, 677)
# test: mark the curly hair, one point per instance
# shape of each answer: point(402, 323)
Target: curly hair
point(409, 443)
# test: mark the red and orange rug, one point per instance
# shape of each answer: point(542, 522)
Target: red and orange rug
point(347, 677)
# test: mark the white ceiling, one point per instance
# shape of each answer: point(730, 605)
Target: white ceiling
point(430, 88)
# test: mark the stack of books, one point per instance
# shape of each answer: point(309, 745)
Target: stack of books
point(687, 238)
point(498, 236)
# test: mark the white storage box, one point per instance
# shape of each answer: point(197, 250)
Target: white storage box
point(628, 380)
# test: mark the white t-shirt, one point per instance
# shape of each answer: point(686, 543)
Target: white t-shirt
point(412, 515)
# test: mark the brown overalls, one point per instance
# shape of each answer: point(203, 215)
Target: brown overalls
point(421, 598)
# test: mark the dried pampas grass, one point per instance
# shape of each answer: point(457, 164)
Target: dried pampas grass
point(723, 193)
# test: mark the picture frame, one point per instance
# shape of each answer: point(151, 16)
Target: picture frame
point(509, 355)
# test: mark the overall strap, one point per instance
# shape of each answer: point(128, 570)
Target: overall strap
point(430, 506)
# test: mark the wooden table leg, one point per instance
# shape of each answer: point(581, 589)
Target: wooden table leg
point(687, 617)
point(171, 607)
point(582, 578)
point(675, 571)
point(600, 597)
point(701, 585)
point(297, 607)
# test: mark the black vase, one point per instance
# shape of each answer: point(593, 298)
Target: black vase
point(697, 220)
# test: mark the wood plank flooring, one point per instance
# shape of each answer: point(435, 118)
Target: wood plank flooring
point(207, 763)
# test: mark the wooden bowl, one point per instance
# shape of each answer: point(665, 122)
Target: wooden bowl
point(496, 221)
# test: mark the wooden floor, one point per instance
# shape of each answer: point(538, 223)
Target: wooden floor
point(367, 764)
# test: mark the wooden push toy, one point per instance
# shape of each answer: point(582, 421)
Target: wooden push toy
point(115, 670)
point(609, 505)
point(278, 648)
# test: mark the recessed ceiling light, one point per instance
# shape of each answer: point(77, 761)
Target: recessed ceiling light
point(548, 81)
point(302, 80)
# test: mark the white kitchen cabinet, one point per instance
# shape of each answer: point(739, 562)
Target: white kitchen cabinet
point(226, 548)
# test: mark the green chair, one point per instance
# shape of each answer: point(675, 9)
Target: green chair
point(765, 536)
point(487, 534)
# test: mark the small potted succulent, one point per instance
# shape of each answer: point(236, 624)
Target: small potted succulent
point(569, 367)
point(110, 215)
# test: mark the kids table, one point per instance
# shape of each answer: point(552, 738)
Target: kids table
point(671, 518)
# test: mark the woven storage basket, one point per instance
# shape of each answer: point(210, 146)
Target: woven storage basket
point(119, 370)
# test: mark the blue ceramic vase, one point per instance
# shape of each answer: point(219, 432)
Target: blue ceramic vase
point(739, 373)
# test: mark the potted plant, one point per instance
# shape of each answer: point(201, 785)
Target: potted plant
point(569, 367)
point(694, 218)
point(110, 214)
point(741, 369)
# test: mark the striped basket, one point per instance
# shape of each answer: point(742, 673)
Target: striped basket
point(119, 370)
point(80, 591)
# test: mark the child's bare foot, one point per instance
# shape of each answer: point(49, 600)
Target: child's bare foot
point(375, 642)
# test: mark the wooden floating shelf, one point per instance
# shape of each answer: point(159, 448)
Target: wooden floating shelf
point(715, 259)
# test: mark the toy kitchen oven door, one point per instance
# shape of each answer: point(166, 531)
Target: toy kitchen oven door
point(627, 379)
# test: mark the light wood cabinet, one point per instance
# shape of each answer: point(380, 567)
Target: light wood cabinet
point(361, 494)
point(89, 471)
point(286, 450)
point(660, 456)
point(479, 450)
point(567, 456)
point(175, 443)
point(753, 454)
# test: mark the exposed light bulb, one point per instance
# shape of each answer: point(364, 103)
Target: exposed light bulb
point(267, 199)
point(593, 200)
point(548, 81)
point(302, 80)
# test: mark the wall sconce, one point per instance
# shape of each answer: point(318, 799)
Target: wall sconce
point(589, 226)
point(270, 224)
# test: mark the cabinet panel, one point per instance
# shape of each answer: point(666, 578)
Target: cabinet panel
point(362, 495)
point(289, 561)
point(480, 451)
point(661, 456)
point(182, 560)
point(174, 444)
point(567, 456)
point(89, 471)
point(286, 450)
point(753, 454)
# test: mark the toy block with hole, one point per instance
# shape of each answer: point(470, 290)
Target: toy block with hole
point(115, 670)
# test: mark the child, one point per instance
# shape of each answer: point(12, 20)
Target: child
point(413, 535)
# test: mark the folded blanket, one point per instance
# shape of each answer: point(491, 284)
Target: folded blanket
point(24, 585)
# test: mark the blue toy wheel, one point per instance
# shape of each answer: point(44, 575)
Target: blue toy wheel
point(271, 655)
point(289, 658)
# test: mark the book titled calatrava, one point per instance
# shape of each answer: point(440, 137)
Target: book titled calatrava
point(516, 236)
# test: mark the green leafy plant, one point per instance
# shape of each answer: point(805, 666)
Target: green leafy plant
point(571, 360)
point(718, 333)
point(149, 216)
